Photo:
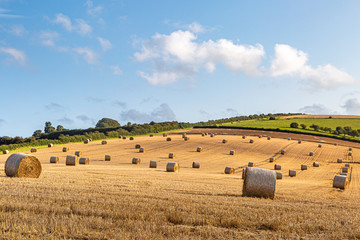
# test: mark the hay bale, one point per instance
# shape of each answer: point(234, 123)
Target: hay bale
point(259, 182)
point(54, 159)
point(172, 155)
point(141, 150)
point(123, 137)
point(316, 164)
point(343, 174)
point(339, 160)
point(86, 141)
point(120, 137)
point(107, 157)
point(251, 141)
point(137, 146)
point(84, 160)
point(103, 142)
point(229, 170)
point(212, 135)
point(203, 134)
point(289, 138)
point(243, 136)
point(33, 150)
point(183, 135)
point(277, 167)
point(232, 152)
point(269, 138)
point(292, 172)
point(347, 165)
point(320, 145)
point(335, 144)
point(350, 154)
point(282, 151)
point(340, 181)
point(131, 138)
point(299, 141)
point(78, 153)
point(278, 175)
point(199, 149)
point(136, 160)
point(196, 165)
point(90, 139)
point(71, 160)
point(151, 135)
point(172, 167)
point(186, 138)
point(153, 164)
point(50, 145)
point(350, 148)
point(251, 164)
point(345, 169)
point(6, 152)
point(271, 159)
point(164, 134)
point(168, 139)
point(224, 141)
point(22, 165)
point(304, 167)
point(65, 149)
point(311, 153)
point(260, 136)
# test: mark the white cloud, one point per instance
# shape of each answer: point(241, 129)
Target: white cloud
point(315, 109)
point(287, 60)
point(105, 44)
point(64, 21)
point(352, 106)
point(93, 10)
point(89, 56)
point(4, 13)
point(160, 114)
point(17, 29)
point(116, 70)
point(16, 55)
point(195, 27)
point(81, 26)
point(48, 38)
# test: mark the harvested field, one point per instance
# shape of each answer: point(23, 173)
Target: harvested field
point(119, 200)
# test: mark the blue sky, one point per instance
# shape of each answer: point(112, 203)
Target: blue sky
point(75, 62)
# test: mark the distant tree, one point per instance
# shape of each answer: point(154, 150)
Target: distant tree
point(17, 140)
point(49, 128)
point(107, 123)
point(347, 130)
point(303, 126)
point(60, 128)
point(294, 125)
point(272, 118)
point(315, 127)
point(354, 133)
point(128, 124)
point(330, 116)
point(37, 133)
point(340, 130)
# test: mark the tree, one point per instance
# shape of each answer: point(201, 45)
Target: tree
point(107, 123)
point(49, 128)
point(272, 118)
point(347, 130)
point(315, 127)
point(37, 133)
point(294, 125)
point(60, 128)
point(340, 130)
point(303, 126)
point(354, 133)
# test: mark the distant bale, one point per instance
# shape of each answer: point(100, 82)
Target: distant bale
point(33, 150)
point(316, 164)
point(65, 149)
point(6, 152)
point(339, 160)
point(172, 167)
point(172, 155)
point(186, 138)
point(304, 167)
point(224, 141)
point(259, 182)
point(292, 172)
point(120, 137)
point(282, 151)
point(350, 153)
point(84, 160)
point(320, 145)
point(71, 160)
point(168, 139)
point(278, 175)
point(203, 134)
point(299, 141)
point(103, 142)
point(137, 146)
point(78, 153)
point(277, 167)
point(22, 165)
point(196, 165)
point(54, 159)
point(311, 153)
point(153, 164)
point(212, 135)
point(164, 134)
point(232, 152)
point(243, 136)
point(151, 135)
point(183, 135)
point(269, 138)
point(229, 170)
point(131, 138)
point(271, 159)
point(260, 136)
point(251, 141)
point(335, 144)
point(136, 160)
point(50, 145)
point(350, 148)
point(345, 169)
point(289, 138)
point(86, 141)
point(199, 149)
point(347, 165)
point(107, 157)
point(123, 137)
point(141, 150)
point(251, 164)
point(340, 181)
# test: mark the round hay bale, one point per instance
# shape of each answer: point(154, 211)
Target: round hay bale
point(153, 164)
point(277, 167)
point(71, 160)
point(259, 182)
point(278, 175)
point(172, 155)
point(311, 153)
point(136, 160)
point(243, 136)
point(232, 152)
point(299, 141)
point(107, 157)
point(269, 138)
point(131, 138)
point(282, 151)
point(251, 164)
point(120, 137)
point(103, 142)
point(33, 150)
point(186, 138)
point(350, 148)
point(199, 149)
point(65, 149)
point(339, 160)
point(229, 170)
point(347, 165)
point(335, 144)
point(196, 165)
point(50, 145)
point(137, 146)
point(272, 159)
point(350, 153)
point(172, 167)
point(6, 152)
point(84, 160)
point(251, 141)
point(289, 138)
point(22, 165)
point(320, 145)
point(151, 135)
point(164, 134)
point(260, 136)
point(54, 159)
point(224, 141)
point(316, 164)
point(304, 167)
point(90, 139)
point(123, 137)
point(292, 172)
point(184, 135)
point(141, 150)
point(345, 169)
point(168, 139)
point(86, 141)
point(203, 134)
point(78, 153)
point(212, 135)
point(340, 181)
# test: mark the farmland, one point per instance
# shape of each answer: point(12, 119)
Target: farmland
point(117, 200)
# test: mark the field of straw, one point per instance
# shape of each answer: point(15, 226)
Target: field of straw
point(119, 200)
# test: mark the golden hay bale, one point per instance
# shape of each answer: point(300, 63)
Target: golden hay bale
point(350, 148)
point(141, 150)
point(123, 137)
point(212, 135)
point(243, 136)
point(271, 159)
point(311, 153)
point(33, 150)
point(78, 153)
point(54, 159)
point(136, 160)
point(84, 160)
point(103, 142)
point(232, 152)
point(339, 160)
point(340, 181)
point(251, 141)
point(316, 164)
point(65, 149)
point(131, 138)
point(6, 152)
point(269, 138)
point(350, 153)
point(335, 144)
point(137, 146)
point(107, 157)
point(199, 149)
point(50, 145)
point(260, 136)
point(278, 175)
point(229, 170)
point(259, 182)
point(86, 141)
point(186, 138)
point(320, 145)
point(203, 134)
point(345, 169)
point(292, 172)
point(277, 167)
point(347, 165)
point(168, 139)
point(251, 164)
point(196, 165)
point(153, 164)
point(120, 137)
point(71, 160)
point(164, 134)
point(22, 165)
point(171, 155)
point(304, 167)
point(282, 151)
point(172, 167)
point(151, 135)
point(299, 141)
point(90, 139)
point(224, 141)
point(289, 138)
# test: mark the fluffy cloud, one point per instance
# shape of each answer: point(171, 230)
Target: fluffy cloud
point(80, 25)
point(287, 60)
point(89, 55)
point(93, 10)
point(352, 106)
point(48, 38)
point(160, 114)
point(15, 55)
point(315, 109)
point(105, 44)
point(116, 70)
